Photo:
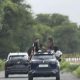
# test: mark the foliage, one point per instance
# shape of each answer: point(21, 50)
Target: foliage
point(77, 72)
point(52, 20)
point(64, 65)
point(66, 38)
point(72, 67)
point(43, 19)
point(2, 63)
point(66, 35)
point(18, 28)
point(16, 25)
point(58, 19)
point(42, 31)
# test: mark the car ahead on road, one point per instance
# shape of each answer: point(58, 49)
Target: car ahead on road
point(44, 65)
point(16, 63)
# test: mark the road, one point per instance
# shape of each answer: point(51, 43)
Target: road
point(64, 76)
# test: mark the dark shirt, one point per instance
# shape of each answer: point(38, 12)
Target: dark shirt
point(36, 46)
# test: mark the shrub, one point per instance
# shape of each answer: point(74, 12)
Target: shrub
point(72, 67)
point(2, 62)
point(64, 65)
point(77, 72)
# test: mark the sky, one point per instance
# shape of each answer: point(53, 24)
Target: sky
point(69, 8)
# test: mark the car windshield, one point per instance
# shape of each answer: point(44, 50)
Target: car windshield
point(42, 56)
point(12, 57)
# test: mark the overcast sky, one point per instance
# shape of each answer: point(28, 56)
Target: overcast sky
point(70, 8)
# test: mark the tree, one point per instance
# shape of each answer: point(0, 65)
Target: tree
point(52, 20)
point(43, 19)
point(58, 19)
point(17, 23)
point(66, 37)
point(42, 31)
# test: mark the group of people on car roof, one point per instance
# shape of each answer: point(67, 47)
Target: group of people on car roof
point(37, 46)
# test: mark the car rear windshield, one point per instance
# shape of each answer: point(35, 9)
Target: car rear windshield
point(17, 57)
point(43, 57)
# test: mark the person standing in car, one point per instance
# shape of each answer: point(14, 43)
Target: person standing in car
point(50, 44)
point(36, 45)
point(34, 48)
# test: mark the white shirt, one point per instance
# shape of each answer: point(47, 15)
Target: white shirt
point(58, 53)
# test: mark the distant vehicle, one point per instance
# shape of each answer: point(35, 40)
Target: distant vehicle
point(44, 65)
point(17, 63)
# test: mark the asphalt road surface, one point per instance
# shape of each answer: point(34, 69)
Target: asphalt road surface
point(64, 76)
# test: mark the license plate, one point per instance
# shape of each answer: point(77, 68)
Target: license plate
point(43, 65)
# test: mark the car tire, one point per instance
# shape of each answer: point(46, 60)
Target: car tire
point(6, 75)
point(58, 76)
point(30, 77)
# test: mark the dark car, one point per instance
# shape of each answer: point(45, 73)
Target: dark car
point(17, 63)
point(44, 65)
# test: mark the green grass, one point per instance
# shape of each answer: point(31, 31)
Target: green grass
point(77, 72)
point(64, 64)
point(2, 63)
point(73, 68)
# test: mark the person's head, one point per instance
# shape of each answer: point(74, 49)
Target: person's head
point(36, 40)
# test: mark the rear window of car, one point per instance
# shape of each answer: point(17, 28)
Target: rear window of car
point(43, 57)
point(12, 57)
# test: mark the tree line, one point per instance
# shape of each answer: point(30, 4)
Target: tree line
point(18, 28)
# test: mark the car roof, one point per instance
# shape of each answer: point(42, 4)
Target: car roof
point(43, 54)
point(18, 53)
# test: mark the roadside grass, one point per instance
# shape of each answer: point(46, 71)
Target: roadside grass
point(73, 68)
point(2, 63)
point(64, 65)
point(77, 72)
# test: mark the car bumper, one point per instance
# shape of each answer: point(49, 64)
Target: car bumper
point(36, 73)
point(17, 70)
